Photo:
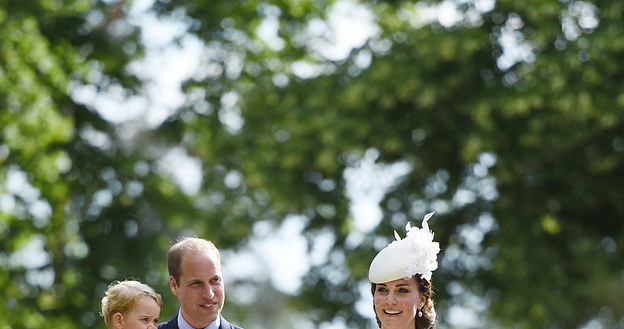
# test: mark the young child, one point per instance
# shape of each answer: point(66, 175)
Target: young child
point(131, 305)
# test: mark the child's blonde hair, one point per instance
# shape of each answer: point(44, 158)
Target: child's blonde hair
point(121, 297)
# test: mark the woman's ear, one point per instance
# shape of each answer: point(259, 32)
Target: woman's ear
point(118, 320)
point(422, 302)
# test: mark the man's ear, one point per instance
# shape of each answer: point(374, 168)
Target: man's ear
point(173, 285)
point(118, 320)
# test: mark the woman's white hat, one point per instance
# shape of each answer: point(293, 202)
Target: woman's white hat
point(404, 258)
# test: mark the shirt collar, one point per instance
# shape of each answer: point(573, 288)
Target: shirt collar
point(182, 324)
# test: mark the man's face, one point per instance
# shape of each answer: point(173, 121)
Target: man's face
point(200, 289)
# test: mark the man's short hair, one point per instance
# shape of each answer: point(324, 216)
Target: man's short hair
point(185, 246)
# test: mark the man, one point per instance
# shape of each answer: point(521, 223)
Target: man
point(195, 276)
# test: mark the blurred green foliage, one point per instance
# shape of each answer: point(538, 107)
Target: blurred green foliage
point(536, 145)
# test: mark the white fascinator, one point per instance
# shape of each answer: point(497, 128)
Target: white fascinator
point(404, 258)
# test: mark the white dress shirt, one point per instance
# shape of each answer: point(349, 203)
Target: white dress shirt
point(182, 324)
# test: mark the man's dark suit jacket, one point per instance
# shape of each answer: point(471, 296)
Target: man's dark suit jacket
point(173, 324)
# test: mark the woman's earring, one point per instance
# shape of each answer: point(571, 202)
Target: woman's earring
point(419, 313)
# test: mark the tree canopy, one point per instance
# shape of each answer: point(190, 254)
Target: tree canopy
point(506, 118)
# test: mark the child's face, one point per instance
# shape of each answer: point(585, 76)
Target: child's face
point(144, 315)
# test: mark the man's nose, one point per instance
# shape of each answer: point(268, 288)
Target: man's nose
point(209, 293)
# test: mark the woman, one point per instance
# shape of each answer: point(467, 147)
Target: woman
point(400, 275)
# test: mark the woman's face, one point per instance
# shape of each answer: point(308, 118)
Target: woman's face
point(397, 302)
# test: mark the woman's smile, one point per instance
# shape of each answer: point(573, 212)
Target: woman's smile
point(397, 303)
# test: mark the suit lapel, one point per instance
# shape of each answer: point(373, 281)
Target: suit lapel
point(224, 324)
point(171, 324)
point(174, 323)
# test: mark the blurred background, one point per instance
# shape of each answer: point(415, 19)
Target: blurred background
point(297, 135)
